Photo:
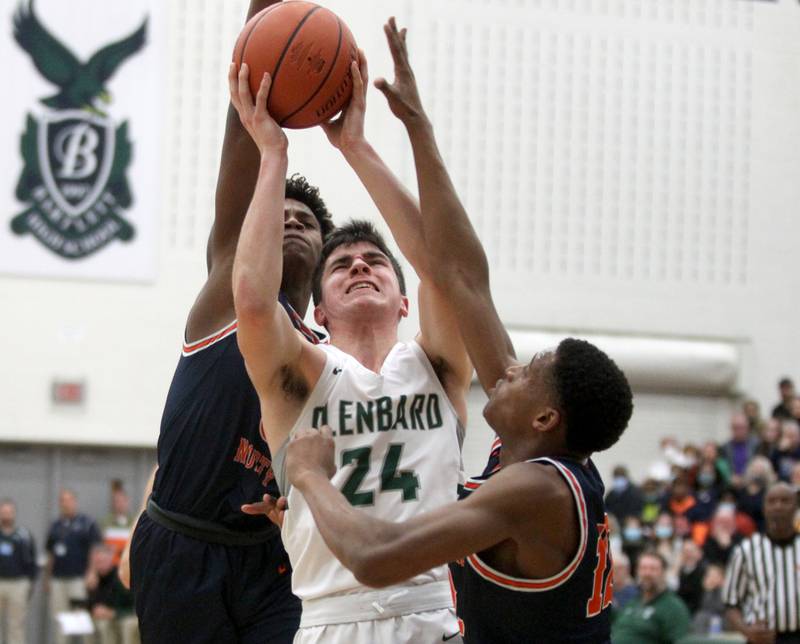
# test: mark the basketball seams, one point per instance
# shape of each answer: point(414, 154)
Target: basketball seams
point(286, 48)
point(250, 32)
point(327, 76)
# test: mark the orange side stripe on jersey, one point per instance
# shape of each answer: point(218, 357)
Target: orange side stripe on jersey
point(531, 585)
point(202, 344)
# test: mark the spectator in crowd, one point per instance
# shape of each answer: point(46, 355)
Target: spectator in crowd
point(762, 586)
point(633, 541)
point(68, 543)
point(710, 618)
point(739, 449)
point(783, 408)
point(625, 589)
point(17, 573)
point(710, 454)
point(752, 411)
point(788, 452)
point(758, 477)
point(794, 410)
point(665, 542)
point(722, 537)
point(672, 459)
point(658, 615)
point(652, 500)
point(625, 498)
point(109, 602)
point(770, 437)
point(118, 523)
point(691, 571)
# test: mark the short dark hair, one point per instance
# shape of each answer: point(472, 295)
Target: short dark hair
point(785, 382)
point(593, 394)
point(297, 187)
point(353, 232)
point(649, 552)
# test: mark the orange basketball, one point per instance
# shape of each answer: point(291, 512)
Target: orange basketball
point(307, 50)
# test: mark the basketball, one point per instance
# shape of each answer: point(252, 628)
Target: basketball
point(307, 50)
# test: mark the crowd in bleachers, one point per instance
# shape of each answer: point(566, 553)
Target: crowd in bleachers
point(697, 502)
point(80, 573)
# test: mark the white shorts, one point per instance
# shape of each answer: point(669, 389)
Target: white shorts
point(434, 626)
point(419, 615)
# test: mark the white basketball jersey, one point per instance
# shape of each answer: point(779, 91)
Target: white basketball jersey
point(398, 455)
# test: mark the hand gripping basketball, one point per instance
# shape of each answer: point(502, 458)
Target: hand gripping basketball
point(347, 131)
point(266, 133)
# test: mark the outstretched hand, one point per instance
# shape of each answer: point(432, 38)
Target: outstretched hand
point(255, 118)
point(402, 94)
point(273, 508)
point(310, 452)
point(348, 129)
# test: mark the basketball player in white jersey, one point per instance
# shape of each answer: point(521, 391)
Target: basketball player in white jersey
point(395, 408)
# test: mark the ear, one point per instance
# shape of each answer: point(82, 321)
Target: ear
point(403, 307)
point(546, 420)
point(319, 316)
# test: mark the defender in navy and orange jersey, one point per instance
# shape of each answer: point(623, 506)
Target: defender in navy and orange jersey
point(200, 569)
point(529, 541)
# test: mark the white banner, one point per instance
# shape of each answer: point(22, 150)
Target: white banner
point(79, 138)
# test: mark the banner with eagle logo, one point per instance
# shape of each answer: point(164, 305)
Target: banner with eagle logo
point(80, 135)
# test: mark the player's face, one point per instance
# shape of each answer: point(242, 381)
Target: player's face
point(302, 237)
point(359, 279)
point(519, 395)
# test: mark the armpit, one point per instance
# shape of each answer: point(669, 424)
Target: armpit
point(293, 385)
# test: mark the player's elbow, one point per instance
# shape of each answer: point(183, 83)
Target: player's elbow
point(374, 571)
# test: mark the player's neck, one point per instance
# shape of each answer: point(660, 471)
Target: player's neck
point(298, 293)
point(369, 343)
point(525, 449)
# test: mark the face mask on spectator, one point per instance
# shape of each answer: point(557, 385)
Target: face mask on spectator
point(663, 531)
point(705, 479)
point(726, 507)
point(632, 533)
point(620, 483)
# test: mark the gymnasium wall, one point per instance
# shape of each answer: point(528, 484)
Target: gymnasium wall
point(630, 166)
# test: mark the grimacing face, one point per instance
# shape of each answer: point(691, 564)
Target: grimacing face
point(359, 280)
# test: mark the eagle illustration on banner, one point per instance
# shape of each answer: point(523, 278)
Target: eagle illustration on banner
point(73, 183)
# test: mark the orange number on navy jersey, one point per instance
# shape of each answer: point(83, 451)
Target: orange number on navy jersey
point(603, 585)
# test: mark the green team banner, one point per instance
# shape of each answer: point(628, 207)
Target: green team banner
point(86, 116)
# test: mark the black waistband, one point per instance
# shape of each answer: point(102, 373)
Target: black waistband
point(207, 530)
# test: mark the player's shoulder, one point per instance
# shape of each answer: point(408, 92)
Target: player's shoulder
point(527, 478)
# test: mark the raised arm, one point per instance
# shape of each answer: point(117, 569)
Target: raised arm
point(439, 335)
point(238, 170)
point(265, 335)
point(459, 268)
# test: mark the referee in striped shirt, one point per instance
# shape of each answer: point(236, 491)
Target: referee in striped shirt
point(762, 587)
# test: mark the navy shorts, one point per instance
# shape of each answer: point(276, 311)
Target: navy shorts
point(191, 592)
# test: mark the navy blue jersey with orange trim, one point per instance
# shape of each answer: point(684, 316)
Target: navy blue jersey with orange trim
point(572, 606)
point(212, 454)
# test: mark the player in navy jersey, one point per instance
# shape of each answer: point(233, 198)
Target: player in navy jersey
point(529, 542)
point(201, 570)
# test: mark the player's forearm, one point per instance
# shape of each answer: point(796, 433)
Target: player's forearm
point(447, 231)
point(238, 171)
point(362, 543)
point(258, 265)
point(398, 207)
